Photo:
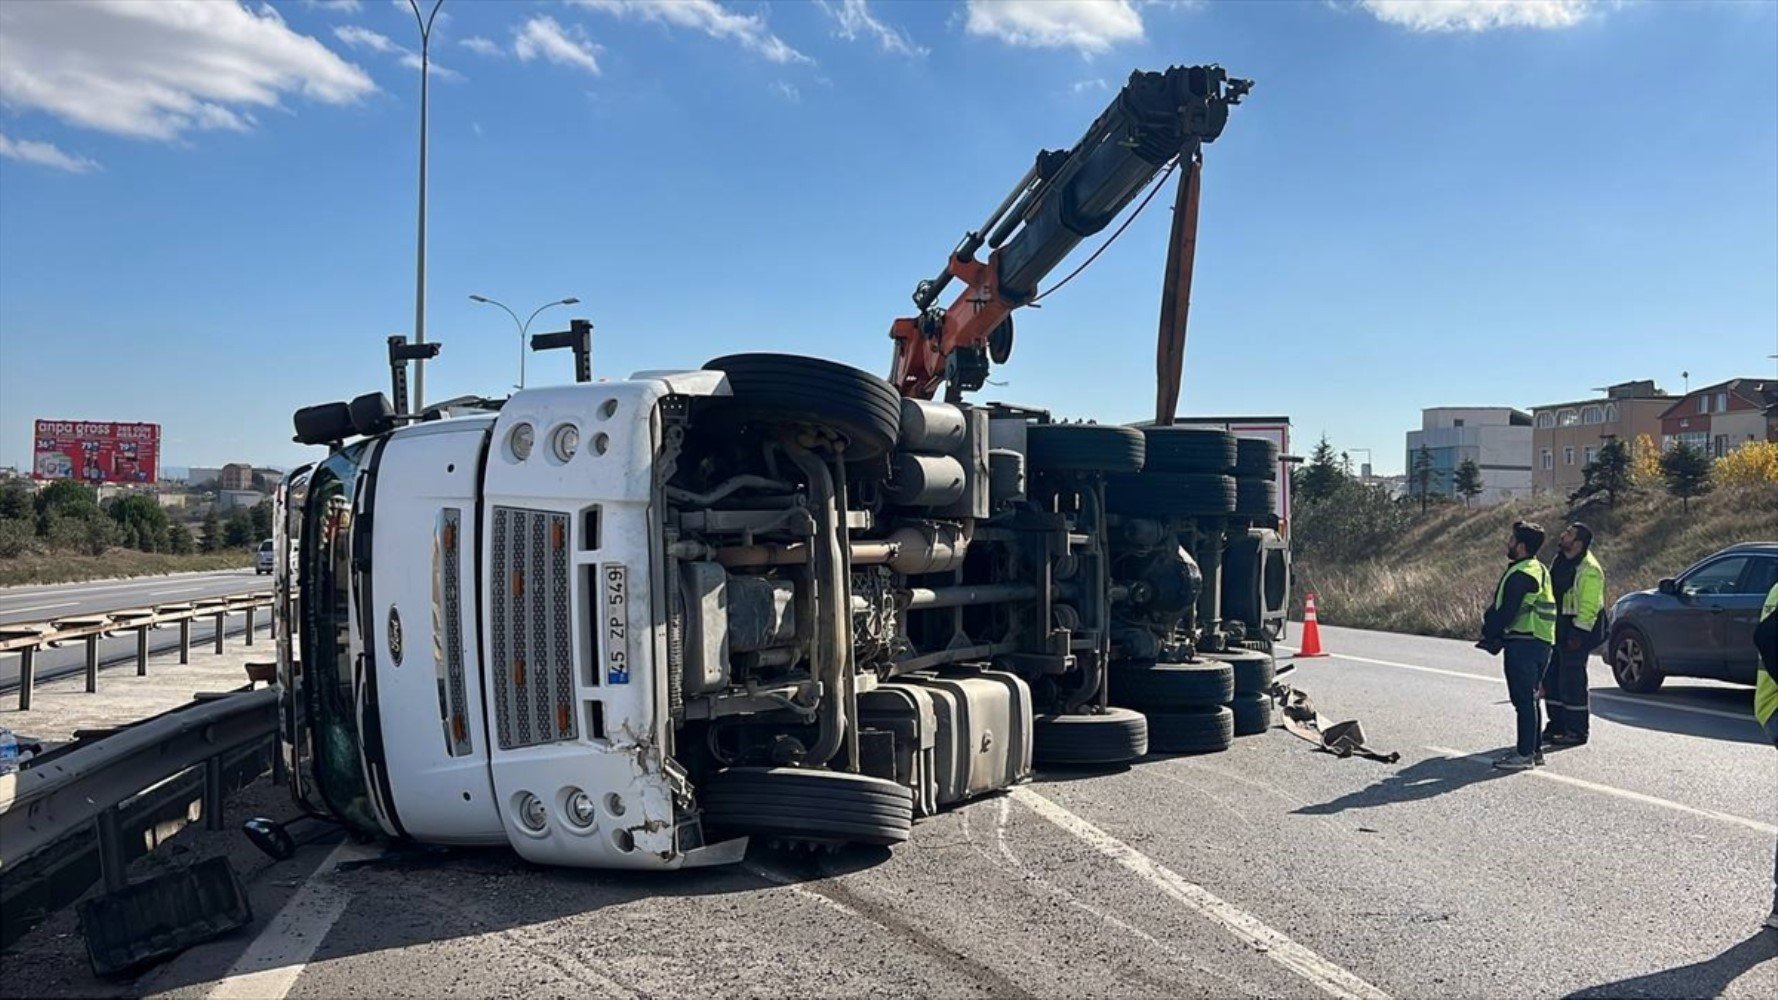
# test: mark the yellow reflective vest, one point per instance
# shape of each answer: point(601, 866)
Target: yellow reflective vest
point(1537, 615)
point(1586, 598)
point(1765, 689)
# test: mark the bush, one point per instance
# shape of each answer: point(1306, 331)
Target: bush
point(1355, 521)
point(1753, 464)
point(237, 531)
point(92, 534)
point(179, 540)
point(16, 536)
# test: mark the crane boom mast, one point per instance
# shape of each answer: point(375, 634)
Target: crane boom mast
point(1066, 197)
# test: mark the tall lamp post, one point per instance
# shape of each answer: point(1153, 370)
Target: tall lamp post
point(425, 23)
point(524, 327)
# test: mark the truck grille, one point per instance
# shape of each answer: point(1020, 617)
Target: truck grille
point(533, 651)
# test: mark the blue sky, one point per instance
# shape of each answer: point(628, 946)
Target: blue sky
point(207, 214)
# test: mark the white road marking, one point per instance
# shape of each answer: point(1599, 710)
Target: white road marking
point(39, 607)
point(271, 964)
point(1623, 793)
point(181, 590)
point(1328, 977)
point(1627, 699)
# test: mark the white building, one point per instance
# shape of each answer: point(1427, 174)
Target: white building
point(1496, 438)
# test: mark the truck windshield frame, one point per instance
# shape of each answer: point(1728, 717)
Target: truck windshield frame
point(330, 652)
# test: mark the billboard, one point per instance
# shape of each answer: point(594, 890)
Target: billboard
point(96, 452)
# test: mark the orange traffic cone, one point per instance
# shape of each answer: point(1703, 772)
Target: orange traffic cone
point(1311, 630)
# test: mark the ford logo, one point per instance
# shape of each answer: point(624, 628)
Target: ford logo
point(395, 635)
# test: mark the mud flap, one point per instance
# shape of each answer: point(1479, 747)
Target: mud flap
point(1342, 739)
point(160, 917)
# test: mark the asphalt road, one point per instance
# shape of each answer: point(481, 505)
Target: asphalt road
point(1639, 865)
point(40, 604)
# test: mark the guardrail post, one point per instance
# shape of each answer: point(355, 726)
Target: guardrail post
point(249, 624)
point(213, 793)
point(142, 651)
point(27, 676)
point(111, 862)
point(92, 664)
point(185, 640)
point(221, 623)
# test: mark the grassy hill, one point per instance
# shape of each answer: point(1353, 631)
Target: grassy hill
point(1436, 576)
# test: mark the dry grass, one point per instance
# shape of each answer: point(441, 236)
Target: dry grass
point(66, 567)
point(1440, 575)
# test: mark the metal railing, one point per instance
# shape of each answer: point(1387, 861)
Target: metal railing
point(28, 638)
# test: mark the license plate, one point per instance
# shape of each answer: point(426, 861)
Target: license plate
point(617, 623)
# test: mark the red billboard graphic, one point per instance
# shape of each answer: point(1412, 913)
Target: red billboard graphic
point(95, 452)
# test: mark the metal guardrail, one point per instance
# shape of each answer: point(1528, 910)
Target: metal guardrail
point(27, 638)
point(48, 801)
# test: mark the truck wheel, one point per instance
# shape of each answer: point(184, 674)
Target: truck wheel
point(1253, 670)
point(792, 804)
point(1256, 458)
point(1119, 736)
point(1633, 663)
point(1083, 448)
point(1253, 714)
point(1255, 497)
point(1200, 684)
point(1168, 494)
point(1192, 730)
point(856, 405)
point(1190, 449)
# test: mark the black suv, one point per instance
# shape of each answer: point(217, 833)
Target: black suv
point(1699, 624)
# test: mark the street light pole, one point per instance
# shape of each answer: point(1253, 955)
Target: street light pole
point(525, 326)
point(425, 23)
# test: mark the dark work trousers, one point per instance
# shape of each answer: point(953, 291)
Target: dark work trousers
point(1565, 689)
point(1772, 731)
point(1526, 660)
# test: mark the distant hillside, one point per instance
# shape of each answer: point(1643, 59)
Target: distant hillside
point(1436, 576)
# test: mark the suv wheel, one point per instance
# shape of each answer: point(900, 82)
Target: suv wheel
point(1633, 663)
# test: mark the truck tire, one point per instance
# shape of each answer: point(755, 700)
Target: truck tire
point(1119, 736)
point(1170, 494)
point(1255, 497)
point(859, 407)
point(1200, 684)
point(1256, 458)
point(1190, 449)
point(1253, 670)
point(1083, 448)
point(1253, 714)
point(793, 804)
point(1194, 730)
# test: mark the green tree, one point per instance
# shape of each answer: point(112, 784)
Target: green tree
point(65, 498)
point(1609, 473)
point(141, 520)
point(1422, 476)
point(16, 536)
point(1469, 480)
point(179, 540)
point(16, 502)
point(1687, 472)
point(1322, 477)
point(262, 519)
point(237, 531)
point(1354, 524)
point(210, 535)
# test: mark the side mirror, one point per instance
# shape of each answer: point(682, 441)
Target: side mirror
point(1668, 586)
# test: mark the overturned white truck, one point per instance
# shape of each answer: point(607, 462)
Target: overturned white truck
point(634, 623)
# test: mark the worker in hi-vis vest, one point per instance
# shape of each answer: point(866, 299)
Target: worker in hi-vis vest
point(1521, 623)
point(1765, 700)
point(1579, 583)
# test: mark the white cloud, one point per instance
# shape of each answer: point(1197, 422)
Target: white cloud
point(44, 155)
point(853, 19)
point(543, 38)
point(708, 17)
point(337, 6)
point(481, 46)
point(364, 38)
point(1479, 15)
point(788, 91)
point(1082, 86)
point(1091, 26)
point(159, 70)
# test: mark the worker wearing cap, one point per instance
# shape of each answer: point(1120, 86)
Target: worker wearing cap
point(1522, 624)
point(1579, 584)
point(1765, 700)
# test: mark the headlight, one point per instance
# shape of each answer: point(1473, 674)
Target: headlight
point(532, 815)
point(522, 438)
point(580, 808)
point(564, 442)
